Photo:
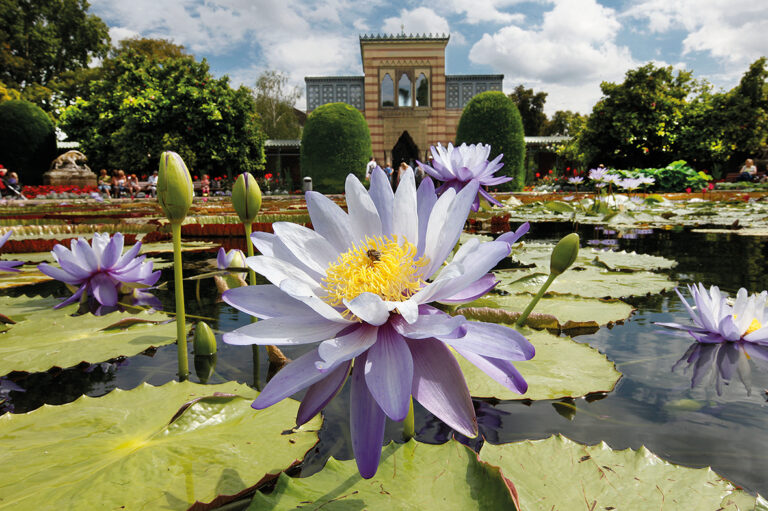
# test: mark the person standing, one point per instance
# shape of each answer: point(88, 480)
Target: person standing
point(152, 184)
point(369, 168)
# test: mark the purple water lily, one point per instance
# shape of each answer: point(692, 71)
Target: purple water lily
point(716, 321)
point(234, 258)
point(361, 285)
point(459, 166)
point(100, 270)
point(8, 265)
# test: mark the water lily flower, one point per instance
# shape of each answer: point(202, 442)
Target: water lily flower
point(99, 269)
point(647, 180)
point(630, 183)
point(234, 258)
point(459, 166)
point(598, 174)
point(361, 285)
point(716, 321)
point(575, 180)
point(8, 265)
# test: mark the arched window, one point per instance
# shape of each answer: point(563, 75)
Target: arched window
point(404, 96)
point(422, 91)
point(387, 91)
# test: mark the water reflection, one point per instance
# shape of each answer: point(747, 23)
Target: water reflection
point(718, 363)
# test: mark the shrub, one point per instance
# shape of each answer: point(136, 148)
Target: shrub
point(27, 140)
point(335, 142)
point(675, 177)
point(492, 118)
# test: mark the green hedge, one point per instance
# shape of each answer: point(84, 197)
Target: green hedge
point(492, 118)
point(335, 143)
point(27, 140)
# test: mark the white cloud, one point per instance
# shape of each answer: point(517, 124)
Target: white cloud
point(733, 31)
point(421, 20)
point(117, 34)
point(568, 56)
point(480, 11)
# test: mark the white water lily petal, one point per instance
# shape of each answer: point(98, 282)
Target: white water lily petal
point(369, 307)
point(363, 216)
point(383, 198)
point(302, 292)
point(285, 330)
point(345, 347)
point(308, 246)
point(405, 210)
point(330, 221)
point(276, 270)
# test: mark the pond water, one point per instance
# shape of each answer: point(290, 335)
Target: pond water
point(651, 404)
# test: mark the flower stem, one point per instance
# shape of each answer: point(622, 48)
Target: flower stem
point(249, 251)
point(409, 428)
point(524, 316)
point(181, 331)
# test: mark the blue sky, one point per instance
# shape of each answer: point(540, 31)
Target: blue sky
point(562, 47)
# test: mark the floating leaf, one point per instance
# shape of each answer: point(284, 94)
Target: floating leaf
point(576, 310)
point(43, 338)
point(411, 476)
point(26, 276)
point(556, 473)
point(588, 282)
point(123, 451)
point(539, 254)
point(561, 368)
point(186, 246)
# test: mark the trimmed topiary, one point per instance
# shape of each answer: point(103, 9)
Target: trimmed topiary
point(335, 142)
point(492, 118)
point(27, 140)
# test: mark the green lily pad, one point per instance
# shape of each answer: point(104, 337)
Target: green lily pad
point(43, 338)
point(588, 282)
point(571, 311)
point(186, 246)
point(539, 254)
point(561, 368)
point(27, 275)
point(129, 450)
point(557, 473)
point(411, 476)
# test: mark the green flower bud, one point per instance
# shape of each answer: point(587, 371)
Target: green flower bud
point(564, 254)
point(246, 197)
point(174, 186)
point(205, 340)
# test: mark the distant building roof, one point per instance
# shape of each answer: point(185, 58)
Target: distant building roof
point(283, 143)
point(552, 139)
point(404, 37)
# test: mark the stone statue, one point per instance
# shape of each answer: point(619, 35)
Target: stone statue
point(70, 169)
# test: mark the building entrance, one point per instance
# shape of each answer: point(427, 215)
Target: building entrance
point(404, 150)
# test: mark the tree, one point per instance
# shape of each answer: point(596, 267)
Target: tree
point(275, 102)
point(335, 142)
point(147, 102)
point(564, 122)
point(531, 107)
point(492, 118)
point(638, 123)
point(27, 139)
point(41, 40)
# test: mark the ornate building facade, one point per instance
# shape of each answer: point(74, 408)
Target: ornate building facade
point(406, 97)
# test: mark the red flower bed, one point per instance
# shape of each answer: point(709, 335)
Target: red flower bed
point(31, 192)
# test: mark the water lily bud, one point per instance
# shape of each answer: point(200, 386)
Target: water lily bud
point(246, 197)
point(205, 340)
point(564, 254)
point(174, 186)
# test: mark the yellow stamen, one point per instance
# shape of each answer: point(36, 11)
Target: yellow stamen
point(380, 265)
point(755, 325)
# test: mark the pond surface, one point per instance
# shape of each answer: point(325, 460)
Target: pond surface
point(651, 405)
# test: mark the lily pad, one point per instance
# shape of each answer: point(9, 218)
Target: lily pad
point(127, 450)
point(186, 246)
point(27, 275)
point(588, 282)
point(539, 254)
point(561, 368)
point(411, 476)
point(571, 310)
point(556, 473)
point(43, 338)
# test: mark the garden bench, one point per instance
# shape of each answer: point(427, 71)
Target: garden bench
point(732, 177)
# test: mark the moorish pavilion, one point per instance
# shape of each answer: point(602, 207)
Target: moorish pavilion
point(406, 97)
